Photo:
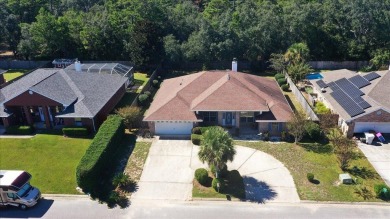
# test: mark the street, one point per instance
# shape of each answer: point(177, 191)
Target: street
point(80, 207)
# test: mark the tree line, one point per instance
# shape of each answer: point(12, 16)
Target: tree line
point(145, 31)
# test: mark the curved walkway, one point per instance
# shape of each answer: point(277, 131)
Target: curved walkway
point(170, 166)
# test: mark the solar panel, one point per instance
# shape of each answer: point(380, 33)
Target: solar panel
point(359, 81)
point(371, 76)
point(333, 86)
point(361, 102)
point(352, 108)
point(348, 87)
point(321, 83)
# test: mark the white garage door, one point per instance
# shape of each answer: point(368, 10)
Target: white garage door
point(383, 127)
point(173, 128)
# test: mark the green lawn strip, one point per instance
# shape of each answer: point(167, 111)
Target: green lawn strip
point(292, 100)
point(301, 160)
point(14, 73)
point(51, 159)
point(137, 159)
point(234, 187)
point(140, 79)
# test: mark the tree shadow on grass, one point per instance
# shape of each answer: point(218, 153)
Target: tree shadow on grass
point(258, 191)
point(317, 147)
point(363, 172)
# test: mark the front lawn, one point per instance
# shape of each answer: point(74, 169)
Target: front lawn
point(51, 159)
point(322, 162)
point(14, 73)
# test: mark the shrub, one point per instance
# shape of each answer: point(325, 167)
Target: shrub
point(197, 131)
point(202, 176)
point(196, 139)
point(75, 131)
point(320, 108)
point(204, 129)
point(214, 184)
point(19, 130)
point(279, 76)
point(155, 83)
point(285, 87)
point(143, 99)
point(121, 180)
point(310, 177)
point(382, 191)
point(222, 173)
point(132, 116)
point(282, 81)
point(313, 130)
point(148, 93)
point(97, 160)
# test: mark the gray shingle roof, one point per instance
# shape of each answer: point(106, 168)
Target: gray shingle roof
point(84, 94)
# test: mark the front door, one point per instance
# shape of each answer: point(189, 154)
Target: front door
point(229, 118)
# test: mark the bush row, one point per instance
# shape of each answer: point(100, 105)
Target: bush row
point(75, 131)
point(196, 139)
point(19, 130)
point(97, 158)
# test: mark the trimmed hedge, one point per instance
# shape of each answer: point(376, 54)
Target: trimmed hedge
point(279, 76)
point(282, 81)
point(196, 139)
point(285, 87)
point(75, 131)
point(19, 130)
point(98, 157)
point(197, 131)
point(202, 176)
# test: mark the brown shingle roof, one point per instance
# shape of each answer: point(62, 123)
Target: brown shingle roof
point(180, 97)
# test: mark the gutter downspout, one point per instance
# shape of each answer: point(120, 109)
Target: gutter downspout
point(93, 124)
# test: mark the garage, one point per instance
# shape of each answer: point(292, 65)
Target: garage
point(383, 127)
point(173, 128)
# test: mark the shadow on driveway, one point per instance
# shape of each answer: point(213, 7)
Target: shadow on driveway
point(38, 211)
point(258, 191)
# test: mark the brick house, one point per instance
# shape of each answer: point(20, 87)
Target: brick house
point(51, 98)
point(362, 100)
point(245, 103)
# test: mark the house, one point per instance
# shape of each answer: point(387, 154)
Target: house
point(2, 79)
point(50, 98)
point(362, 100)
point(246, 103)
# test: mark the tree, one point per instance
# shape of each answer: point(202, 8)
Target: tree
point(381, 58)
point(278, 62)
point(217, 148)
point(296, 125)
point(297, 53)
point(132, 116)
point(343, 147)
point(299, 71)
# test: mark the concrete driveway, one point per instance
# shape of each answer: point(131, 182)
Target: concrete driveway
point(169, 171)
point(379, 157)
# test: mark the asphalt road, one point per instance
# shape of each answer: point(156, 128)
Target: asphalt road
point(85, 208)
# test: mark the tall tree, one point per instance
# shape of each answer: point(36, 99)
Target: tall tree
point(217, 148)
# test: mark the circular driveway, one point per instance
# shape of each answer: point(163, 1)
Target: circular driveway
point(170, 166)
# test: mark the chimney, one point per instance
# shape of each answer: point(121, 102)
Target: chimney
point(77, 66)
point(234, 65)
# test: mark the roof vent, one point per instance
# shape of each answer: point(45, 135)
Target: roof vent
point(234, 65)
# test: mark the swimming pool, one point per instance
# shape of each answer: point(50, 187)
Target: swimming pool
point(313, 76)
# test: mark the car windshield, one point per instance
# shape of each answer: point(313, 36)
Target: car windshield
point(22, 192)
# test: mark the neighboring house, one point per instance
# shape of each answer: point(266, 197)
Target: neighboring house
point(362, 100)
point(248, 103)
point(2, 79)
point(52, 98)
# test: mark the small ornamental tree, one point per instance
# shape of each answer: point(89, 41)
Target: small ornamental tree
point(132, 116)
point(296, 126)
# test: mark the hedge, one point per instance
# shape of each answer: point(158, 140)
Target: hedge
point(279, 76)
point(202, 176)
point(19, 130)
point(204, 129)
point(75, 131)
point(282, 81)
point(98, 157)
point(196, 139)
point(285, 87)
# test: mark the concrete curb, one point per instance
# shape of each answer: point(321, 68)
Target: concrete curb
point(345, 203)
point(65, 196)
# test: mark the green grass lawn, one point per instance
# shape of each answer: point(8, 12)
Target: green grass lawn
point(292, 100)
point(322, 162)
point(14, 73)
point(51, 159)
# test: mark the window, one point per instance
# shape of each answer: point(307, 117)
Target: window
point(11, 195)
point(78, 122)
point(246, 117)
point(209, 116)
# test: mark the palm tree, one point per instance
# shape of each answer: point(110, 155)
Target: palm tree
point(217, 148)
point(296, 53)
